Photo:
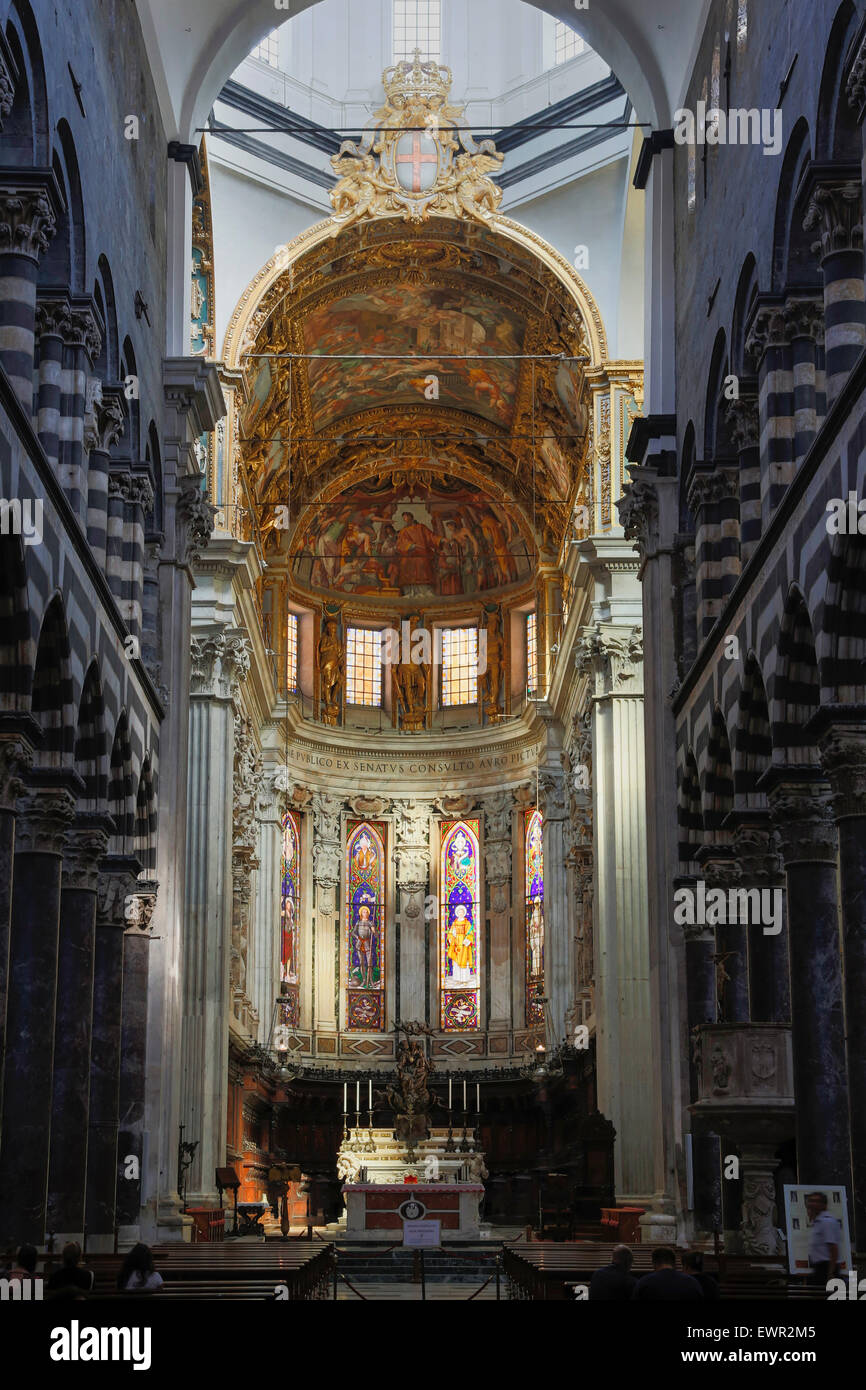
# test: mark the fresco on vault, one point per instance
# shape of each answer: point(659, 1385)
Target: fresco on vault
point(412, 320)
point(393, 542)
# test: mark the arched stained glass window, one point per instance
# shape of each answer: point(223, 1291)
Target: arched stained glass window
point(459, 927)
point(290, 903)
point(365, 927)
point(534, 878)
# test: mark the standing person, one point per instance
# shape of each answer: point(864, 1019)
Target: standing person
point(825, 1239)
point(666, 1284)
point(614, 1283)
point(72, 1279)
point(693, 1264)
point(137, 1274)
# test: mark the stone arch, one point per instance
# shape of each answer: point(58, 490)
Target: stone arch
point(793, 261)
point(796, 689)
point(26, 138)
point(144, 829)
point(753, 741)
point(837, 131)
point(51, 697)
point(17, 652)
point(132, 431)
point(121, 802)
point(91, 751)
point(717, 440)
point(690, 816)
point(842, 623)
point(747, 290)
point(108, 362)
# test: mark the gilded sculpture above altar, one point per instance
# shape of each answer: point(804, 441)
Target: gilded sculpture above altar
point(416, 159)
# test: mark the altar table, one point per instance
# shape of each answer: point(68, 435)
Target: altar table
point(372, 1209)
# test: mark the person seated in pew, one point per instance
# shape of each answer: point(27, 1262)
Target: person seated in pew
point(72, 1279)
point(137, 1274)
point(693, 1264)
point(666, 1284)
point(614, 1283)
point(24, 1268)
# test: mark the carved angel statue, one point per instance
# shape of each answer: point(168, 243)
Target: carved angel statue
point(355, 192)
point(477, 194)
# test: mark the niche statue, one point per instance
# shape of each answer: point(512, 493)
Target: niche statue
point(331, 671)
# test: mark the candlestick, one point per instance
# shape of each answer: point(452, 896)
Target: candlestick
point(464, 1093)
point(370, 1093)
point(477, 1098)
point(449, 1093)
point(345, 1097)
point(357, 1095)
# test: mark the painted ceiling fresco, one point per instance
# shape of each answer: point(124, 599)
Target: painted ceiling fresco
point(427, 323)
point(409, 540)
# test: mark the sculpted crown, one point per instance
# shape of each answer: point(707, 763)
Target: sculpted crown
point(416, 82)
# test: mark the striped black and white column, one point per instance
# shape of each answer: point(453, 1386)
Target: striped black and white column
point(743, 422)
point(835, 214)
point(769, 347)
point(104, 425)
point(80, 352)
point(714, 501)
point(805, 322)
point(30, 201)
point(53, 326)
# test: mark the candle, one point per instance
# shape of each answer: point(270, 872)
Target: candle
point(477, 1098)
point(464, 1093)
point(370, 1094)
point(357, 1095)
point(449, 1093)
point(345, 1097)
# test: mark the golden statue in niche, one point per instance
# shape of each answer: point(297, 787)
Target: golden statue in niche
point(332, 667)
point(411, 686)
point(490, 680)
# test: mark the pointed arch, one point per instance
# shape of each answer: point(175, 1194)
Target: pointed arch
point(51, 701)
point(91, 745)
point(747, 290)
point(365, 927)
point(794, 262)
point(108, 363)
point(717, 441)
point(838, 135)
point(121, 805)
point(718, 799)
point(26, 128)
point(690, 817)
point(842, 623)
point(17, 652)
point(144, 827)
point(753, 751)
point(796, 689)
point(459, 954)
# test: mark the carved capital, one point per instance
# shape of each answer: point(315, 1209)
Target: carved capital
point(84, 330)
point(84, 850)
point(553, 796)
point(639, 512)
point(843, 757)
point(755, 849)
point(27, 222)
point(743, 422)
point(53, 319)
point(220, 662)
point(104, 417)
point(138, 909)
point(16, 757)
point(612, 658)
point(769, 328)
point(707, 489)
point(803, 816)
point(804, 318)
point(497, 816)
point(196, 515)
point(835, 213)
point(44, 813)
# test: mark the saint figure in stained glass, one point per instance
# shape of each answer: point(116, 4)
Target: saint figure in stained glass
point(290, 877)
point(365, 928)
point(459, 930)
point(534, 875)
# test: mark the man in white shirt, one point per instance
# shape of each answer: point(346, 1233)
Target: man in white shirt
point(825, 1239)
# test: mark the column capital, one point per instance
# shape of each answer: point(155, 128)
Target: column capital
point(139, 907)
point(104, 416)
point(53, 316)
point(44, 813)
point(639, 509)
point(801, 810)
point(86, 329)
point(220, 662)
point(840, 735)
point(804, 318)
point(768, 327)
point(553, 796)
point(834, 209)
point(30, 203)
point(118, 875)
point(743, 420)
point(613, 659)
point(16, 757)
point(196, 515)
point(709, 485)
point(85, 847)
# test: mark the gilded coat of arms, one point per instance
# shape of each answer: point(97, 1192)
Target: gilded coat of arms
point(417, 158)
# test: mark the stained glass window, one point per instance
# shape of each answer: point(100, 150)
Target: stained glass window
point(567, 44)
point(290, 902)
point(459, 666)
point(531, 655)
point(364, 667)
point(459, 927)
point(365, 927)
point(534, 876)
point(292, 653)
point(417, 24)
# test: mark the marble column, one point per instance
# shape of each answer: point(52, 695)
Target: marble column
point(246, 782)
point(498, 833)
point(835, 214)
point(86, 845)
point(16, 754)
point(138, 918)
point(612, 658)
point(801, 812)
point(104, 424)
point(220, 661)
point(44, 812)
point(327, 860)
point(117, 878)
point(266, 980)
point(559, 962)
point(842, 745)
point(30, 203)
point(701, 1008)
point(412, 830)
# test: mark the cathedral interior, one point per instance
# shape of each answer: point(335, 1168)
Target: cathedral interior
point(432, 641)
